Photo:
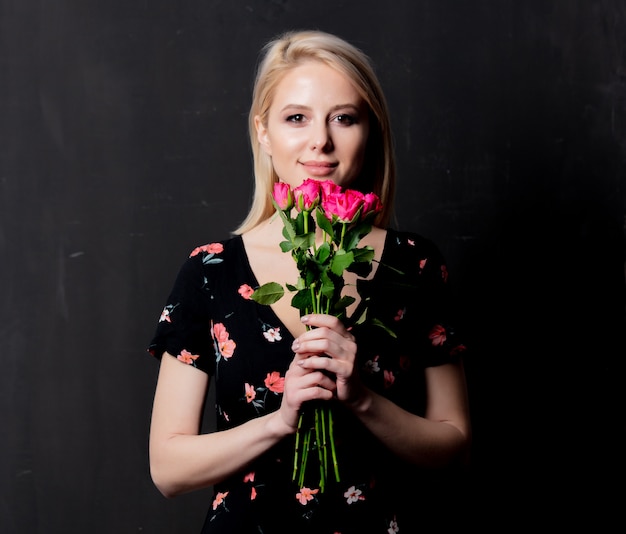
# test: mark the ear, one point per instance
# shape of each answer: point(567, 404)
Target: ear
point(261, 135)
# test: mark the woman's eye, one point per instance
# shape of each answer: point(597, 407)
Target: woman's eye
point(297, 117)
point(345, 119)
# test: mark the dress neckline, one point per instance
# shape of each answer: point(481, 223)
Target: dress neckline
point(255, 283)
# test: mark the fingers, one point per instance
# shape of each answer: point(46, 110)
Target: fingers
point(302, 385)
point(324, 320)
point(326, 345)
point(301, 378)
point(329, 337)
point(305, 383)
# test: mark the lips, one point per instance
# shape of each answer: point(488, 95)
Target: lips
point(319, 168)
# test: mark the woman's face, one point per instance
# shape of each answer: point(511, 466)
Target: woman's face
point(317, 126)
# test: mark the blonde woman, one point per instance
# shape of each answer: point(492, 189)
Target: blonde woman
point(400, 401)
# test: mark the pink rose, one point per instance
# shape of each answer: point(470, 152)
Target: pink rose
point(307, 195)
point(283, 196)
point(344, 206)
point(329, 188)
point(371, 206)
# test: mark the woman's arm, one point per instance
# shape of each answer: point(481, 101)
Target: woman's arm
point(182, 460)
point(437, 439)
point(440, 437)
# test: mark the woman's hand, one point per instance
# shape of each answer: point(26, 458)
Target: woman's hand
point(330, 349)
point(303, 384)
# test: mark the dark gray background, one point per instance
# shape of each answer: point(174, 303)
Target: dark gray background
point(123, 145)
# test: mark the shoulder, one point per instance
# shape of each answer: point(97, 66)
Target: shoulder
point(215, 248)
point(213, 256)
point(215, 252)
point(411, 243)
point(413, 254)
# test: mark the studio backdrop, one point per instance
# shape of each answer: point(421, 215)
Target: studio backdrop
point(123, 145)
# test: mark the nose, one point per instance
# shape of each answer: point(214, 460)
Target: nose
point(321, 139)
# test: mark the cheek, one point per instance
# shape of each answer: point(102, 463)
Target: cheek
point(353, 140)
point(359, 147)
point(285, 144)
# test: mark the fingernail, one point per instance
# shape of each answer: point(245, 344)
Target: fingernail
point(304, 319)
point(295, 345)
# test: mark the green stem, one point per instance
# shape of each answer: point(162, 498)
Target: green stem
point(314, 298)
point(320, 447)
point(297, 448)
point(332, 444)
point(305, 457)
point(324, 415)
point(343, 234)
point(306, 229)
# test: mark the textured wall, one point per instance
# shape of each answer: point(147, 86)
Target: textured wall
point(123, 145)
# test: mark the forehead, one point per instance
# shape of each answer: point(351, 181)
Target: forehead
point(315, 81)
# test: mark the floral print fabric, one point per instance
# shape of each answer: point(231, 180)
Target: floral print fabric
point(210, 322)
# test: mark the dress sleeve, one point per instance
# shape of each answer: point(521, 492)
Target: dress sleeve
point(427, 320)
point(184, 327)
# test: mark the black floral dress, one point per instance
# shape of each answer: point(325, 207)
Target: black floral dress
point(210, 322)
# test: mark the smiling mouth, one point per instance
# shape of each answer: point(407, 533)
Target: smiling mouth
point(319, 168)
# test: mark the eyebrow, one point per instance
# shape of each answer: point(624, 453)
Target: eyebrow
point(334, 108)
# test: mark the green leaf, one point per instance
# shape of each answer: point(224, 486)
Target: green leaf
point(327, 287)
point(311, 276)
point(363, 254)
point(299, 221)
point(355, 234)
point(286, 246)
point(323, 253)
point(362, 265)
point(268, 293)
point(324, 223)
point(304, 241)
point(341, 261)
point(361, 269)
point(376, 322)
point(361, 318)
point(302, 301)
point(299, 285)
point(288, 226)
point(343, 303)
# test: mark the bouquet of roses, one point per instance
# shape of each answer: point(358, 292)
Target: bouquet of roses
point(344, 216)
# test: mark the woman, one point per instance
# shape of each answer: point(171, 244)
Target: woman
point(401, 405)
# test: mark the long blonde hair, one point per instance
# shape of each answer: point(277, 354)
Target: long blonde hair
point(278, 57)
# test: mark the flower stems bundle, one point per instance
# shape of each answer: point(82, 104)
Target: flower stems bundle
point(319, 436)
point(344, 217)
